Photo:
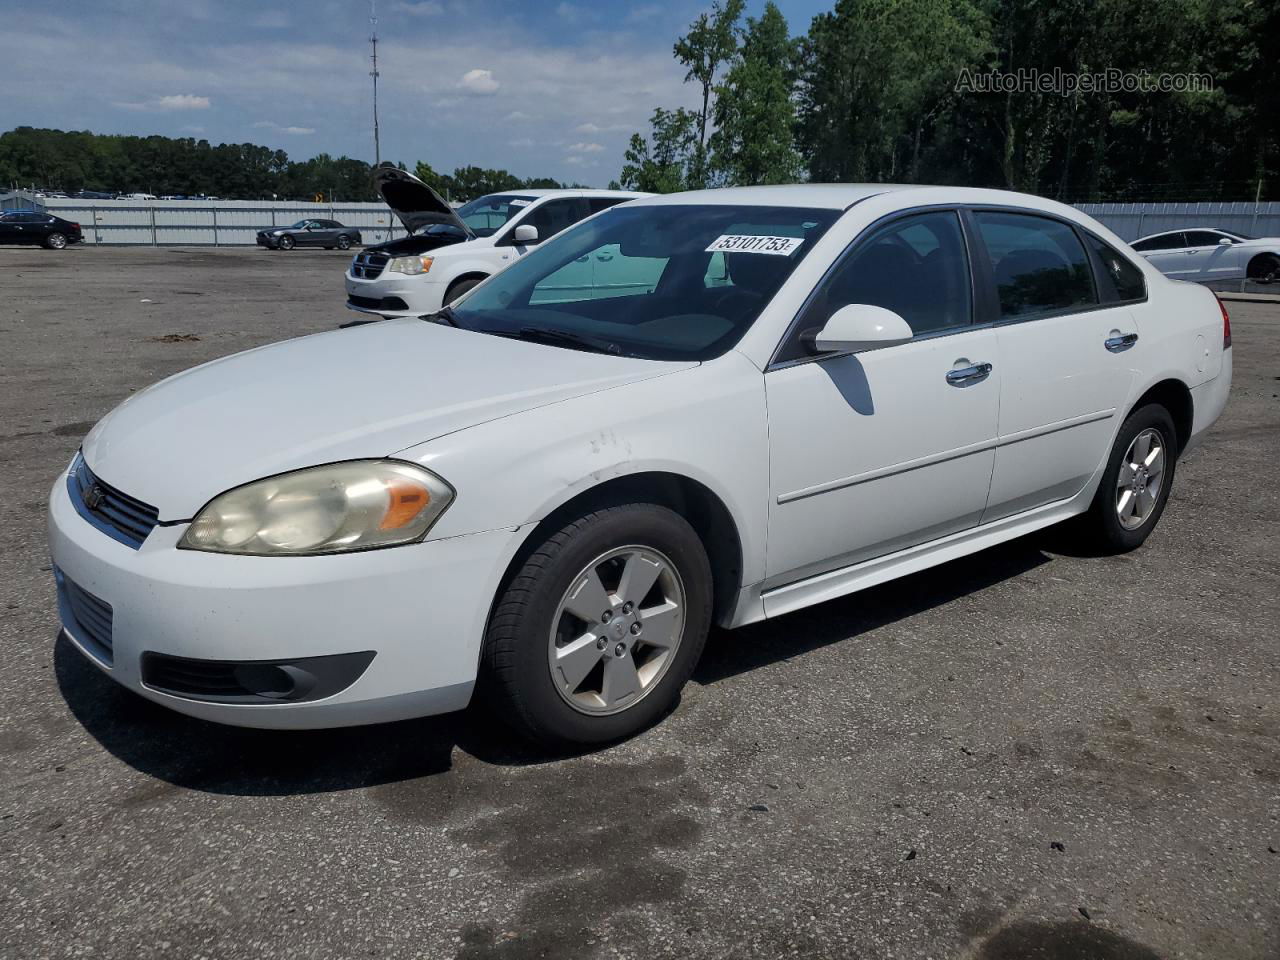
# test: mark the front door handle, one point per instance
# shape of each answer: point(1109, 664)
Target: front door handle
point(966, 376)
point(1121, 342)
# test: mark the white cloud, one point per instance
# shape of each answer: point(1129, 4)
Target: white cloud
point(176, 101)
point(192, 128)
point(521, 142)
point(518, 116)
point(479, 82)
point(292, 131)
point(599, 128)
point(577, 161)
point(585, 148)
point(421, 8)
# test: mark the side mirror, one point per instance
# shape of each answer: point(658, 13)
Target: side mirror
point(525, 233)
point(1223, 241)
point(860, 326)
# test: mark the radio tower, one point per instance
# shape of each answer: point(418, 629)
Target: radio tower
point(373, 39)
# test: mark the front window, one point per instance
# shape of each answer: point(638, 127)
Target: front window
point(485, 216)
point(663, 282)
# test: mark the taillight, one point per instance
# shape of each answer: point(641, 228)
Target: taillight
point(1226, 323)
point(76, 225)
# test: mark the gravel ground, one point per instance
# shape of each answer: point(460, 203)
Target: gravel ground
point(1027, 753)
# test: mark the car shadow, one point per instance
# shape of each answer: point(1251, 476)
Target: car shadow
point(209, 757)
point(729, 653)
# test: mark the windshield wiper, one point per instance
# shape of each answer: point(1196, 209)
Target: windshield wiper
point(580, 341)
point(444, 315)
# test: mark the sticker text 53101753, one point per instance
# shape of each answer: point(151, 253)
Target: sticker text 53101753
point(747, 243)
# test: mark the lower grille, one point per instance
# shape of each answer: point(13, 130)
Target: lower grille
point(368, 266)
point(116, 514)
point(377, 303)
point(91, 616)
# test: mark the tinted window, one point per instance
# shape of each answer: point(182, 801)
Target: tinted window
point(634, 280)
point(1126, 280)
point(1167, 241)
point(555, 215)
point(1039, 264)
point(596, 204)
point(1203, 238)
point(917, 267)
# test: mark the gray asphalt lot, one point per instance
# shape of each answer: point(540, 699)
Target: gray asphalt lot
point(1026, 753)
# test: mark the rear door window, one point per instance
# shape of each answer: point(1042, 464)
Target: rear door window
point(1125, 279)
point(1039, 265)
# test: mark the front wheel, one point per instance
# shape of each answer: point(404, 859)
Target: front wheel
point(459, 288)
point(596, 634)
point(1265, 269)
point(55, 241)
point(286, 243)
point(1137, 480)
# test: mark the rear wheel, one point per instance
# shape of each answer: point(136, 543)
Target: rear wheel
point(459, 287)
point(344, 242)
point(1265, 268)
point(55, 241)
point(1136, 483)
point(286, 242)
point(597, 632)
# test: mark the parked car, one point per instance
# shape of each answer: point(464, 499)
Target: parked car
point(310, 233)
point(564, 484)
point(1212, 254)
point(136, 196)
point(35, 226)
point(450, 251)
point(94, 195)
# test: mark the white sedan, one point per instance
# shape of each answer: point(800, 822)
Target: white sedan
point(448, 251)
point(1211, 254)
point(749, 401)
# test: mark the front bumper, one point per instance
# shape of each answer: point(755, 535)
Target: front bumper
point(267, 241)
point(420, 609)
point(394, 295)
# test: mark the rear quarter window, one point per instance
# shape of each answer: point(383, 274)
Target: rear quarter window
point(1125, 280)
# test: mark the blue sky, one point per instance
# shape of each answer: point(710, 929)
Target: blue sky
point(548, 87)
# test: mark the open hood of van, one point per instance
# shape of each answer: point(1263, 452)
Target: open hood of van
point(415, 203)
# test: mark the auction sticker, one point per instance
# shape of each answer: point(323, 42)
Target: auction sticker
point(750, 243)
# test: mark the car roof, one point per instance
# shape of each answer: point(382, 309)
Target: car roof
point(1165, 233)
point(581, 192)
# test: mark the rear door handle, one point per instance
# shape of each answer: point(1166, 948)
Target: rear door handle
point(1122, 342)
point(966, 376)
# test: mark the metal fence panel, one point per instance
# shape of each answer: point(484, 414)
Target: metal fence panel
point(1130, 221)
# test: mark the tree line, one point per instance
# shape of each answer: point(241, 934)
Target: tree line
point(72, 161)
point(883, 90)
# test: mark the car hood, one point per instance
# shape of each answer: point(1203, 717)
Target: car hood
point(368, 391)
point(416, 204)
point(415, 243)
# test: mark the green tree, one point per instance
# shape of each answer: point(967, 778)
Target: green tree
point(709, 44)
point(755, 117)
point(663, 165)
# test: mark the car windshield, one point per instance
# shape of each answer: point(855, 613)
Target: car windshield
point(485, 216)
point(299, 225)
point(663, 282)
point(1238, 236)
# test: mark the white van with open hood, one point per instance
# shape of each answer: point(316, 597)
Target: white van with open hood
point(449, 251)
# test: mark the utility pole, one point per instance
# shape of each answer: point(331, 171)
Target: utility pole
point(373, 39)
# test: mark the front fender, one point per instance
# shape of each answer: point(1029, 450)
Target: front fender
point(706, 423)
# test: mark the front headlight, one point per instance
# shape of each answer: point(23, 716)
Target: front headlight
point(410, 265)
point(355, 505)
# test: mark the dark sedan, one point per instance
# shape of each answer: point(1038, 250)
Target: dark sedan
point(310, 233)
point(32, 226)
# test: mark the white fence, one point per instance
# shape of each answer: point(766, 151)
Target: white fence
point(220, 223)
point(226, 223)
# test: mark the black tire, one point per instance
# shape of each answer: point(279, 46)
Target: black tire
point(517, 676)
point(460, 287)
point(1265, 268)
point(344, 242)
point(285, 243)
point(1102, 525)
point(56, 241)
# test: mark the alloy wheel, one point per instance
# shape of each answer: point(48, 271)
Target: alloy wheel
point(616, 630)
point(1140, 479)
